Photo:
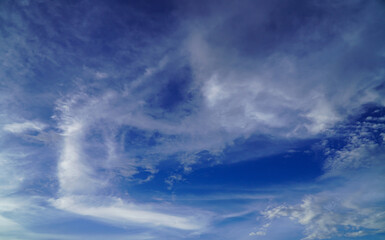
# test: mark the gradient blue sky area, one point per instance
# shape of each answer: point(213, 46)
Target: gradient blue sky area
point(212, 120)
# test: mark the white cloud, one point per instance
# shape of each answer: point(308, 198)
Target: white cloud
point(214, 92)
point(115, 211)
point(12, 172)
point(82, 187)
point(236, 95)
point(15, 215)
point(330, 214)
point(173, 179)
point(8, 225)
point(24, 126)
point(272, 91)
point(353, 206)
point(322, 116)
point(259, 233)
point(363, 150)
point(10, 205)
point(73, 173)
point(101, 75)
point(356, 234)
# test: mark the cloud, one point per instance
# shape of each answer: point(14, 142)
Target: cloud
point(117, 212)
point(172, 179)
point(122, 102)
point(24, 126)
point(329, 214)
point(82, 184)
point(9, 225)
point(74, 176)
point(363, 148)
point(101, 75)
point(253, 83)
point(15, 213)
point(233, 93)
point(352, 205)
point(259, 233)
point(10, 176)
point(8, 205)
point(238, 85)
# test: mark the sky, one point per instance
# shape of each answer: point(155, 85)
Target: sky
point(192, 119)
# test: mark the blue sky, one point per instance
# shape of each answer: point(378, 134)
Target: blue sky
point(192, 119)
